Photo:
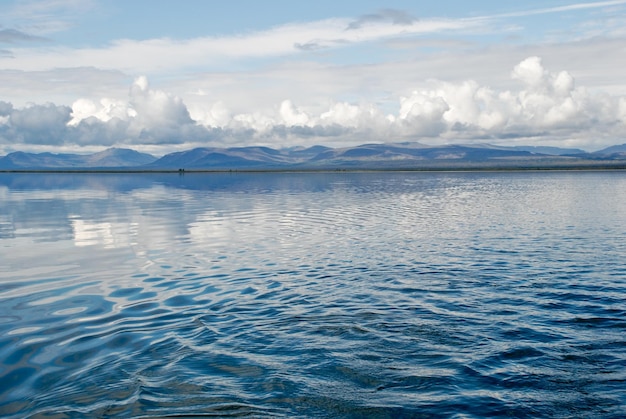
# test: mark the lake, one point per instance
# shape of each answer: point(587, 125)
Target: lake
point(384, 295)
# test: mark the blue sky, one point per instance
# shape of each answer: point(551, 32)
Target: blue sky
point(159, 76)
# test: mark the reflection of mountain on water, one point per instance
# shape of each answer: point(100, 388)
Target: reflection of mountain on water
point(112, 157)
point(76, 181)
point(120, 182)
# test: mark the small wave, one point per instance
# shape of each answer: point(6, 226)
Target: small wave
point(360, 295)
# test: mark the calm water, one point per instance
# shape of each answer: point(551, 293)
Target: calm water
point(379, 295)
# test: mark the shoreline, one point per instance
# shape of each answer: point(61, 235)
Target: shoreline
point(505, 168)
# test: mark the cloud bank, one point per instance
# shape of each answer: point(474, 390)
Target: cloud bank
point(548, 108)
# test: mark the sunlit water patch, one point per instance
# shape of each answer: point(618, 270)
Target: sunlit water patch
point(313, 295)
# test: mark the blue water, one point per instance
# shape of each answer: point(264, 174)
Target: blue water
point(386, 295)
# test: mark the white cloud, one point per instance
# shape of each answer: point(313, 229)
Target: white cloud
point(545, 102)
point(309, 82)
point(215, 115)
point(422, 113)
point(291, 115)
point(530, 72)
point(621, 112)
point(343, 114)
point(566, 8)
point(252, 73)
point(149, 115)
point(104, 110)
point(156, 108)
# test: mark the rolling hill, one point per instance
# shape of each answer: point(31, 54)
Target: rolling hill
point(407, 155)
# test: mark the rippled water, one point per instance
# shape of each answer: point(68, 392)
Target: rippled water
point(313, 295)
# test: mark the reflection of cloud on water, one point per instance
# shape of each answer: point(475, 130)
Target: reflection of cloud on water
point(55, 195)
point(212, 228)
point(6, 227)
point(140, 220)
point(107, 234)
point(266, 226)
point(139, 232)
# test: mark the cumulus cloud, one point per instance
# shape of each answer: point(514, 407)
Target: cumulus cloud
point(551, 100)
point(156, 108)
point(545, 102)
point(422, 113)
point(156, 115)
point(214, 115)
point(38, 124)
point(537, 79)
point(5, 108)
point(149, 116)
point(104, 110)
point(292, 115)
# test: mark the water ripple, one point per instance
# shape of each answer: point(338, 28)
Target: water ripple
point(319, 295)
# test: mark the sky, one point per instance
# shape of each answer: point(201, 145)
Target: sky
point(162, 76)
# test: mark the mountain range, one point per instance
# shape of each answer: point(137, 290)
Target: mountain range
point(409, 155)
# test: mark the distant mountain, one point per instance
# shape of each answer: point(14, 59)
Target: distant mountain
point(407, 155)
point(614, 152)
point(112, 157)
point(554, 151)
point(415, 154)
point(306, 153)
point(224, 158)
point(119, 157)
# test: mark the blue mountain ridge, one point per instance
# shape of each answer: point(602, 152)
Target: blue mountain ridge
point(112, 157)
point(407, 155)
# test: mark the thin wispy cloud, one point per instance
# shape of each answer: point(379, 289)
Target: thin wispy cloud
point(149, 55)
point(561, 9)
point(396, 17)
point(166, 53)
point(44, 17)
point(13, 36)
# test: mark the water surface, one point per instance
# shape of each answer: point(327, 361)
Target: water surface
point(460, 295)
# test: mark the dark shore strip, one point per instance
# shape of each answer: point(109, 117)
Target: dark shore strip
point(621, 166)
